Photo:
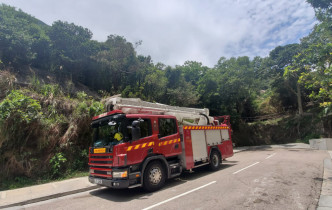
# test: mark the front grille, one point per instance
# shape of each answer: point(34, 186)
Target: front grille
point(100, 177)
point(103, 167)
point(101, 164)
point(100, 172)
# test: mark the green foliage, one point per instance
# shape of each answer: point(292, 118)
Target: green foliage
point(81, 95)
point(47, 90)
point(19, 107)
point(57, 163)
point(96, 108)
point(19, 35)
point(323, 9)
point(82, 109)
point(87, 107)
point(231, 87)
point(318, 77)
point(80, 163)
point(283, 83)
point(50, 90)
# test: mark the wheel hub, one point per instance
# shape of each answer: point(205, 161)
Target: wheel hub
point(215, 160)
point(155, 175)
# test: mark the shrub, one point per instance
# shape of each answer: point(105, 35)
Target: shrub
point(96, 108)
point(81, 160)
point(19, 107)
point(57, 163)
point(81, 95)
point(88, 108)
point(50, 90)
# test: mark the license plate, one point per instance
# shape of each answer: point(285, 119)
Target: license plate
point(98, 181)
point(99, 150)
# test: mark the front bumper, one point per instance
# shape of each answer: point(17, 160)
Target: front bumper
point(112, 183)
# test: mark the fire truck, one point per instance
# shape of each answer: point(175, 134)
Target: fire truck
point(142, 144)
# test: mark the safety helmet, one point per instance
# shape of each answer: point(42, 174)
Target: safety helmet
point(118, 136)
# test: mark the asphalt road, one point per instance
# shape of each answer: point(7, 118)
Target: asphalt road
point(271, 178)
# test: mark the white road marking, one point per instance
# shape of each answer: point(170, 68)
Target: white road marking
point(165, 201)
point(245, 168)
point(270, 156)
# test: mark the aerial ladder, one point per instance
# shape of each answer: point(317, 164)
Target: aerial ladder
point(184, 115)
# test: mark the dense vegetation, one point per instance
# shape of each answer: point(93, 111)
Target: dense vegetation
point(53, 77)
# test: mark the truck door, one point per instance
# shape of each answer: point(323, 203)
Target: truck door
point(169, 137)
point(140, 148)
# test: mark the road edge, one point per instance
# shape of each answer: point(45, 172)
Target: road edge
point(325, 198)
point(49, 197)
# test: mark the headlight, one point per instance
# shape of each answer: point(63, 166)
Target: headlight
point(92, 171)
point(120, 174)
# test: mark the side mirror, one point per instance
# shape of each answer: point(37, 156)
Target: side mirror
point(135, 130)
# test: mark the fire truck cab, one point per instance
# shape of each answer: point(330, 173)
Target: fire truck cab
point(144, 147)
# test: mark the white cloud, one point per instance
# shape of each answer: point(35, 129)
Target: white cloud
point(174, 31)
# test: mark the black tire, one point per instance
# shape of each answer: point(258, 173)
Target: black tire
point(154, 176)
point(215, 160)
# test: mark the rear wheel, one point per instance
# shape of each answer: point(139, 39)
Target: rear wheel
point(215, 160)
point(154, 176)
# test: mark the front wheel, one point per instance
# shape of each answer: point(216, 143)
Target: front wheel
point(154, 176)
point(215, 160)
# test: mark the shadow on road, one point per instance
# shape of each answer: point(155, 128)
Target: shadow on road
point(125, 195)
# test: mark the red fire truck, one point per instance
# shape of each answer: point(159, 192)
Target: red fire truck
point(141, 144)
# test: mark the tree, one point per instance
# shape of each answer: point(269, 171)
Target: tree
point(318, 74)
point(193, 71)
point(19, 34)
point(323, 9)
point(230, 87)
point(179, 91)
point(118, 60)
point(285, 85)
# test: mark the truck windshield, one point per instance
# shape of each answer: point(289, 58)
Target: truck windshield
point(110, 131)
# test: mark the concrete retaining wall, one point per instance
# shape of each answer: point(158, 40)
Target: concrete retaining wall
point(321, 144)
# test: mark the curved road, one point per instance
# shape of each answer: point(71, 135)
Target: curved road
point(271, 178)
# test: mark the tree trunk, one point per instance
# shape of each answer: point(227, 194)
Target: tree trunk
point(299, 99)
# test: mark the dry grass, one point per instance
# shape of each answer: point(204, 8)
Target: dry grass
point(7, 81)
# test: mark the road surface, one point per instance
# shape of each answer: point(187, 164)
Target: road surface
point(271, 178)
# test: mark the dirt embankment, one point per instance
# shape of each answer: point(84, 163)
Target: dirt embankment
point(283, 130)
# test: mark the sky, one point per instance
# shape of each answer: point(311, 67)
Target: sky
point(175, 31)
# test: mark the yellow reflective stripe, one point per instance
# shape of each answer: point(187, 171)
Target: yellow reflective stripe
point(137, 146)
point(144, 145)
point(129, 148)
point(151, 143)
point(166, 142)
